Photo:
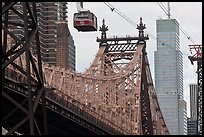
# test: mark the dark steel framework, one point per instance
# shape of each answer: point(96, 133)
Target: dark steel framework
point(21, 46)
point(198, 57)
point(199, 100)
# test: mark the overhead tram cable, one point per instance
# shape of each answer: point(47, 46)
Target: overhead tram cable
point(133, 23)
point(171, 17)
point(120, 13)
point(129, 20)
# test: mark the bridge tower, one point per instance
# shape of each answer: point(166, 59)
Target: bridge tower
point(19, 57)
point(123, 60)
point(117, 88)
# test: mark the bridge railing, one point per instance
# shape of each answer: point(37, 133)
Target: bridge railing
point(84, 112)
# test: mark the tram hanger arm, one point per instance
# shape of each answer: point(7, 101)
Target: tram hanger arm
point(80, 7)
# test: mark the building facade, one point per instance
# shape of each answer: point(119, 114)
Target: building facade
point(193, 101)
point(71, 54)
point(192, 121)
point(65, 54)
point(169, 76)
point(48, 14)
point(191, 126)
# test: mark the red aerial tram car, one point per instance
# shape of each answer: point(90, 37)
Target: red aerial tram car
point(85, 21)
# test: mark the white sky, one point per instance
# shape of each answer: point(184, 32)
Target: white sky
point(188, 14)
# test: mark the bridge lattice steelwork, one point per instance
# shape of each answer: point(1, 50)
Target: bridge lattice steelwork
point(116, 89)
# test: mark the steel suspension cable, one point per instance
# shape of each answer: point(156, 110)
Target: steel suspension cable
point(135, 24)
point(180, 27)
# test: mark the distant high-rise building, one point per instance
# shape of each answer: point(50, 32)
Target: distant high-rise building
point(192, 121)
point(65, 56)
point(169, 76)
point(71, 54)
point(48, 14)
point(193, 101)
point(191, 126)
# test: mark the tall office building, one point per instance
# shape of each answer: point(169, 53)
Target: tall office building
point(65, 55)
point(169, 76)
point(71, 54)
point(48, 14)
point(191, 126)
point(192, 121)
point(193, 101)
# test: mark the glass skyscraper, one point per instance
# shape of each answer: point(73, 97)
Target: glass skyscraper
point(169, 76)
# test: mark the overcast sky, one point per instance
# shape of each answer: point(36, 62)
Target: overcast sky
point(188, 14)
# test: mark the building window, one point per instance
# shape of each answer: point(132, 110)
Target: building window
point(58, 11)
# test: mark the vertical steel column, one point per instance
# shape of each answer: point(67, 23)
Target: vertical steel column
point(4, 46)
point(146, 116)
point(30, 103)
point(40, 71)
point(199, 97)
point(29, 28)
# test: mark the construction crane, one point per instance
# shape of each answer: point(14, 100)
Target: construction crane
point(84, 20)
point(198, 57)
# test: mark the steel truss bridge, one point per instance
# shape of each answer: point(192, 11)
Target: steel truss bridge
point(115, 95)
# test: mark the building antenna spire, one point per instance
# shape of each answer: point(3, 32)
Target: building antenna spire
point(168, 10)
